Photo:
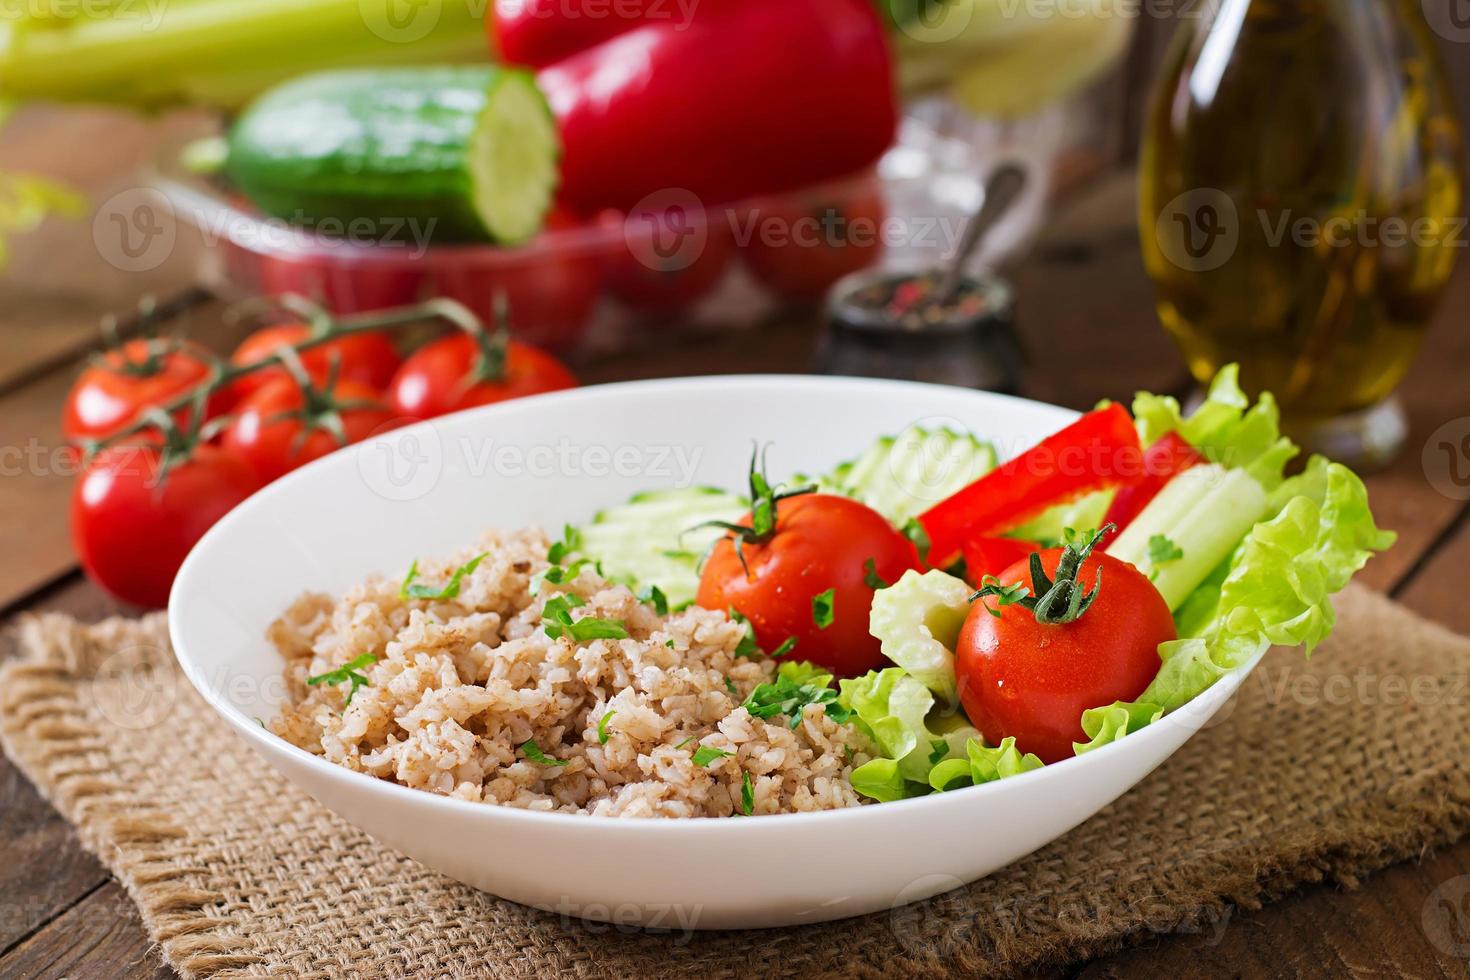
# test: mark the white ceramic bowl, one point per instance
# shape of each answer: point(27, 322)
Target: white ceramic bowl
point(434, 487)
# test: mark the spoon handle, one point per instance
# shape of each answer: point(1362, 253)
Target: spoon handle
point(1001, 190)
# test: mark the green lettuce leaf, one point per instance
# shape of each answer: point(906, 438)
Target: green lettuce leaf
point(982, 764)
point(1276, 590)
point(897, 712)
point(1226, 428)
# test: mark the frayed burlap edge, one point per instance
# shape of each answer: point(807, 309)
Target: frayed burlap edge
point(45, 732)
point(45, 729)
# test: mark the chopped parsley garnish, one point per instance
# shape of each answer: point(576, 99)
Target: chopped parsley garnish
point(412, 590)
point(1005, 595)
point(556, 619)
point(747, 795)
point(655, 597)
point(348, 673)
point(534, 753)
point(822, 608)
point(789, 695)
point(669, 643)
point(559, 574)
point(602, 733)
point(688, 741)
point(915, 532)
point(747, 646)
point(706, 754)
point(571, 541)
point(730, 686)
point(1162, 550)
point(871, 578)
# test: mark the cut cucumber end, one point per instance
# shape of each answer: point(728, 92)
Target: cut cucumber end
point(513, 158)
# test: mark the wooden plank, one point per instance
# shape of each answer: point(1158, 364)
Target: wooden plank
point(101, 937)
point(57, 281)
point(46, 870)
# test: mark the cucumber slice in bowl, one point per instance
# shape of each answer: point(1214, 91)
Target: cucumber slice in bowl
point(451, 153)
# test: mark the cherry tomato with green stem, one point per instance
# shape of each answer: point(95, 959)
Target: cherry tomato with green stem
point(464, 371)
point(287, 423)
point(365, 358)
point(803, 567)
point(1052, 636)
point(118, 387)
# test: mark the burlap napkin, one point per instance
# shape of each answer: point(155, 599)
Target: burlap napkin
point(1322, 770)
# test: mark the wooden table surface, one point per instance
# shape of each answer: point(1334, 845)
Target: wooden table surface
point(1086, 312)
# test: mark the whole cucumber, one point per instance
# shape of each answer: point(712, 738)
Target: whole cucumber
point(451, 153)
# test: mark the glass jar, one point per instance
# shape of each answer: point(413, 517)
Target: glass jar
point(1300, 198)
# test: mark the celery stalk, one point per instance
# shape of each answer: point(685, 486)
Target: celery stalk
point(1205, 516)
point(220, 53)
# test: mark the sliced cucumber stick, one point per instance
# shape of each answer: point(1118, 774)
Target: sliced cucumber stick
point(449, 153)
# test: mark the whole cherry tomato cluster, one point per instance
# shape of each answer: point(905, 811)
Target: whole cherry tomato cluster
point(174, 436)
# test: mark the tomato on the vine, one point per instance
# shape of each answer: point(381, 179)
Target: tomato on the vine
point(462, 371)
point(1035, 653)
point(286, 424)
point(803, 567)
point(133, 519)
point(366, 358)
point(125, 382)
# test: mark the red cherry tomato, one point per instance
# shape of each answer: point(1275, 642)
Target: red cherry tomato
point(799, 247)
point(436, 379)
point(1021, 678)
point(668, 260)
point(131, 533)
point(820, 542)
point(276, 429)
point(111, 395)
point(367, 358)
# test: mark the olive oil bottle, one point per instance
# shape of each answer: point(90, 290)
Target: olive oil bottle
point(1301, 205)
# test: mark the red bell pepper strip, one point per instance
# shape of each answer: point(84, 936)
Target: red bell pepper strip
point(992, 555)
point(750, 98)
point(1162, 461)
point(1097, 451)
point(537, 33)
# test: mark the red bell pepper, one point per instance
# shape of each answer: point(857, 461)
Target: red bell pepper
point(537, 33)
point(992, 555)
point(748, 98)
point(1098, 451)
point(1162, 461)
